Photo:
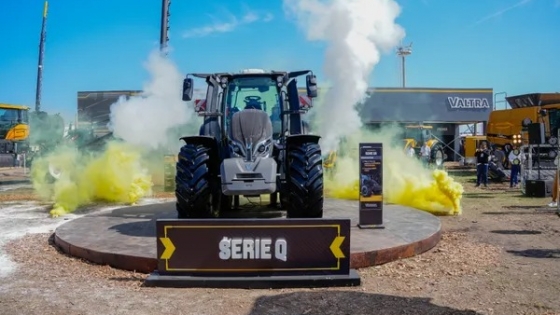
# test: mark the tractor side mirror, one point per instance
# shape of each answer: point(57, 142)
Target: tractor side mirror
point(187, 89)
point(311, 83)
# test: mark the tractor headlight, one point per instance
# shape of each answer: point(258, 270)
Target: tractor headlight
point(263, 148)
point(237, 149)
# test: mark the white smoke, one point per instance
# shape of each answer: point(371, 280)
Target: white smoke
point(147, 120)
point(356, 33)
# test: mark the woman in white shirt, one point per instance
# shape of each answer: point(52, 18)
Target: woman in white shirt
point(515, 158)
point(425, 153)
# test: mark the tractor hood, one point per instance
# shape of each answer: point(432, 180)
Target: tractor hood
point(251, 134)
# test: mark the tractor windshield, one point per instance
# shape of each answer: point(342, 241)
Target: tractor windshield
point(417, 133)
point(9, 117)
point(253, 92)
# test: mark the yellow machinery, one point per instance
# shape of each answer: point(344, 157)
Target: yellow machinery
point(330, 160)
point(507, 126)
point(470, 144)
point(329, 163)
point(14, 122)
point(14, 131)
point(503, 125)
point(416, 135)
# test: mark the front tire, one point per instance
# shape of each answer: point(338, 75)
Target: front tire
point(438, 156)
point(198, 191)
point(305, 181)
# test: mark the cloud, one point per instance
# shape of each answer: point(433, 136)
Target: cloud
point(502, 11)
point(269, 17)
point(557, 4)
point(229, 25)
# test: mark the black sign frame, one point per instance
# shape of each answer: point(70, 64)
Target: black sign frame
point(371, 185)
point(314, 247)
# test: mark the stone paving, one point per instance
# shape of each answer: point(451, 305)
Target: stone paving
point(125, 238)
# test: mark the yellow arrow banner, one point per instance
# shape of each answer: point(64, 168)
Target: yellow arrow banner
point(335, 247)
point(169, 248)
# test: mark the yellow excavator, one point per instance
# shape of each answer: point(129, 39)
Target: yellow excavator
point(14, 132)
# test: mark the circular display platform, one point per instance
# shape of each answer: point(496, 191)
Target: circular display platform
point(125, 238)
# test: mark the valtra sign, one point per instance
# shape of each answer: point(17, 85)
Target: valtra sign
point(468, 103)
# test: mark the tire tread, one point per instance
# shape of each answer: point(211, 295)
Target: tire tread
point(193, 182)
point(305, 181)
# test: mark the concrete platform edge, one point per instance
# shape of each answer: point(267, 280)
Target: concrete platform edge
point(119, 261)
point(386, 255)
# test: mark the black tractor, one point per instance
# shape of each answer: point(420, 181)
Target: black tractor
point(369, 186)
point(252, 142)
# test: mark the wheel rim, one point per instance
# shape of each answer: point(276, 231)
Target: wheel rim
point(439, 158)
point(54, 171)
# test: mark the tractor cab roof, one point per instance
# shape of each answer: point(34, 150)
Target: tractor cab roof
point(418, 127)
point(533, 99)
point(252, 73)
point(11, 106)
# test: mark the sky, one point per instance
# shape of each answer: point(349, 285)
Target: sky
point(511, 46)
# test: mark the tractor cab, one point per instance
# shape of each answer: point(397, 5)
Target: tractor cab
point(259, 93)
point(274, 93)
point(416, 135)
point(14, 121)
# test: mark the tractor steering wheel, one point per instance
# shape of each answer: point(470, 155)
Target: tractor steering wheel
point(252, 98)
point(253, 102)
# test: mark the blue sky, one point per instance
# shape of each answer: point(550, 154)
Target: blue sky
point(507, 45)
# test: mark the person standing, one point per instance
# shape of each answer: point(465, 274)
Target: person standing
point(499, 157)
point(482, 157)
point(410, 152)
point(425, 153)
point(515, 159)
point(554, 203)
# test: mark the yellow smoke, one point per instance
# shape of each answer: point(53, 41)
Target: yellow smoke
point(405, 180)
point(115, 175)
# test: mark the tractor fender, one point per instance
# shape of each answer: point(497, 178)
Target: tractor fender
point(432, 142)
point(409, 143)
point(301, 139)
point(208, 142)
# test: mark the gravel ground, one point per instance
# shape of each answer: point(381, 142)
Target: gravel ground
point(499, 257)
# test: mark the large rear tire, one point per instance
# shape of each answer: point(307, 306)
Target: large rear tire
point(305, 181)
point(198, 191)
